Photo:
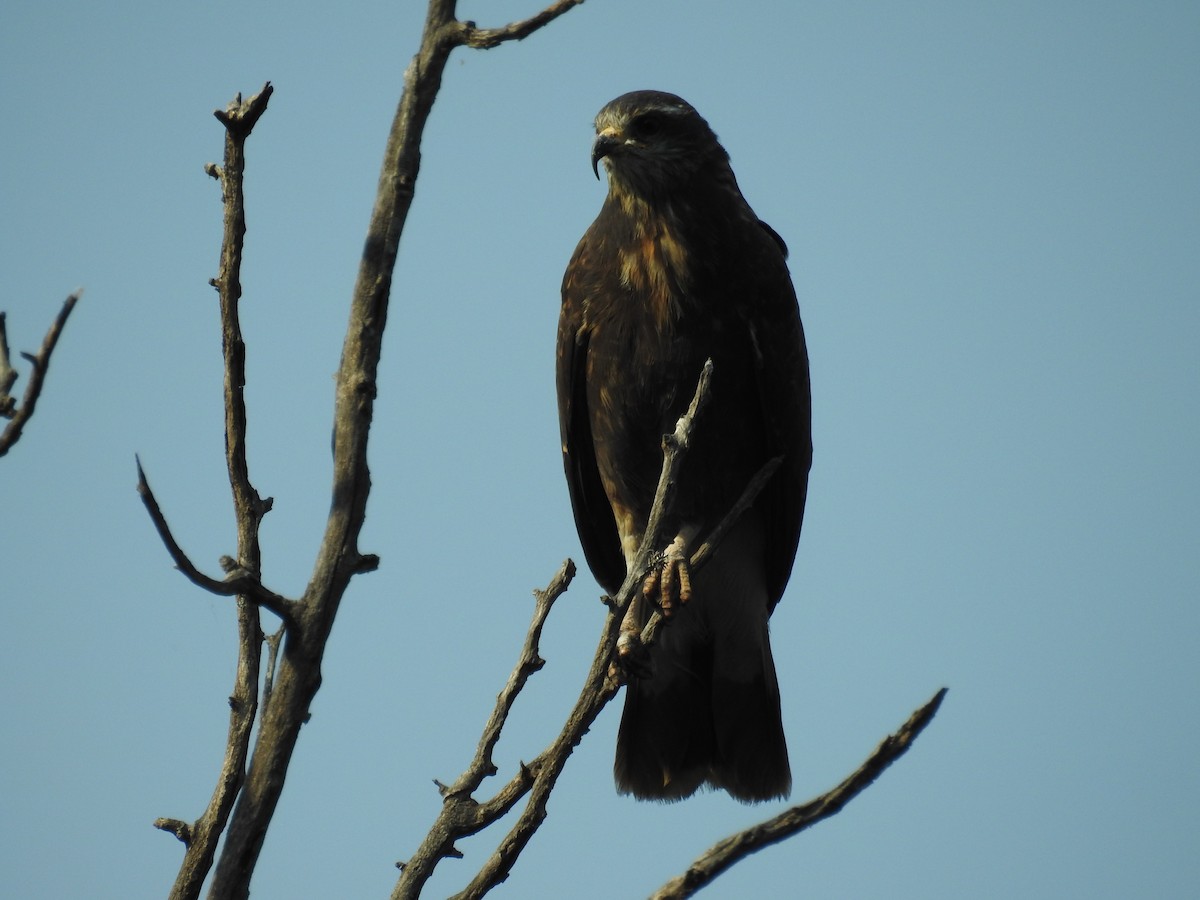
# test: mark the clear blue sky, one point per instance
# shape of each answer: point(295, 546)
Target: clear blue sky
point(994, 217)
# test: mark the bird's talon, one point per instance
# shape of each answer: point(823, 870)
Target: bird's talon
point(650, 585)
point(632, 658)
point(669, 584)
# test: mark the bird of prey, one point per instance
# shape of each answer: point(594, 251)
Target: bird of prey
point(677, 269)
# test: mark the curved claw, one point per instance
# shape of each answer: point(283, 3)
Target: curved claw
point(670, 582)
point(632, 659)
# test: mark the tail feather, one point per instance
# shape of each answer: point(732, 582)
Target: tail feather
point(709, 712)
point(666, 742)
point(751, 759)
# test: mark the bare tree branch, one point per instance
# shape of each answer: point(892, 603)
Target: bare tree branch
point(461, 814)
point(177, 827)
point(713, 540)
point(40, 363)
point(737, 847)
point(297, 675)
point(486, 38)
point(204, 834)
point(237, 582)
point(530, 661)
point(744, 502)
point(675, 446)
point(250, 784)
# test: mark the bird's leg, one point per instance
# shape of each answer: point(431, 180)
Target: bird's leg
point(668, 585)
point(670, 582)
point(631, 625)
point(632, 656)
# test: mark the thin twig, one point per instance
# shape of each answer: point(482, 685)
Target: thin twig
point(177, 827)
point(744, 502)
point(8, 375)
point(530, 661)
point(39, 363)
point(734, 848)
point(486, 38)
point(240, 582)
point(706, 549)
point(461, 815)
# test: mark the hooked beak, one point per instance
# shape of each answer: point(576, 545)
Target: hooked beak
point(606, 144)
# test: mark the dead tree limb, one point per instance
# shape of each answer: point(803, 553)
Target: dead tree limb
point(461, 814)
point(737, 847)
point(251, 782)
point(487, 38)
point(713, 540)
point(18, 415)
point(202, 836)
point(295, 660)
point(238, 581)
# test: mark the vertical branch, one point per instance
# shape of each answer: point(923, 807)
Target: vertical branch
point(202, 836)
point(239, 119)
point(297, 667)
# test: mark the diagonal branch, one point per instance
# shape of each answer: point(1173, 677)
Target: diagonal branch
point(239, 119)
point(737, 847)
point(487, 38)
point(530, 661)
point(238, 582)
point(40, 363)
point(705, 551)
point(744, 502)
point(461, 814)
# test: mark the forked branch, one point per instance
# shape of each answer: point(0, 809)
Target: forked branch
point(244, 580)
point(250, 785)
point(461, 814)
point(486, 38)
point(295, 673)
point(713, 540)
point(238, 580)
point(18, 415)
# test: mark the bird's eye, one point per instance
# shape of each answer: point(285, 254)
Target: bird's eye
point(647, 125)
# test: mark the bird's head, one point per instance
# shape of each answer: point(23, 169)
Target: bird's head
point(653, 143)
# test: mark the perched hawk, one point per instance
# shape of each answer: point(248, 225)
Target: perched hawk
point(675, 270)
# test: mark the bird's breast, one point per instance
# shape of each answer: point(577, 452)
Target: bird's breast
point(655, 271)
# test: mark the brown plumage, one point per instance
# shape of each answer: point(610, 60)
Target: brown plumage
point(677, 269)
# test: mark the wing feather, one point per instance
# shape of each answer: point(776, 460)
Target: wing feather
point(782, 382)
point(590, 505)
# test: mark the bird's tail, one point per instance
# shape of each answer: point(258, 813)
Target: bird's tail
point(709, 711)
